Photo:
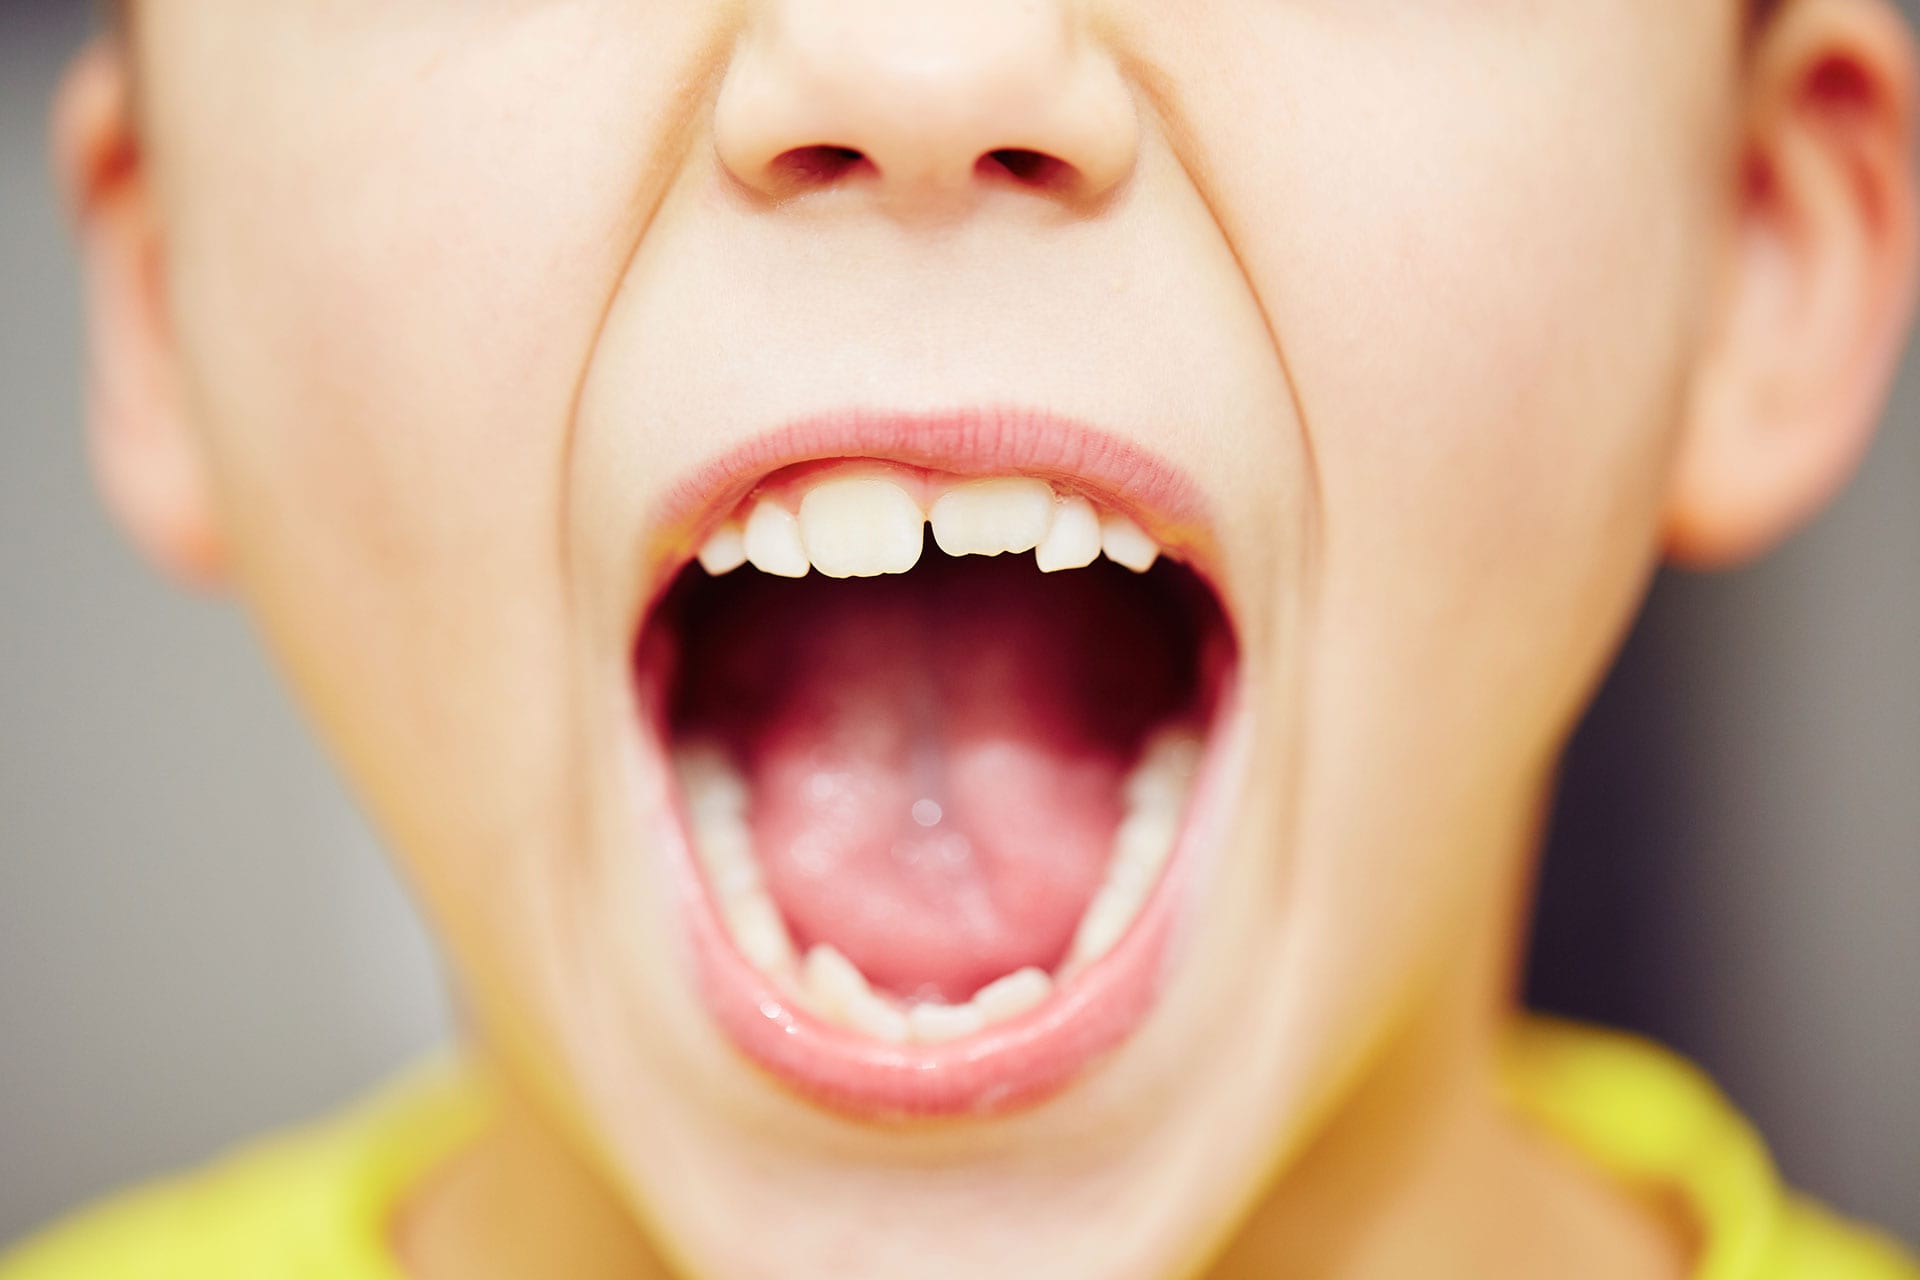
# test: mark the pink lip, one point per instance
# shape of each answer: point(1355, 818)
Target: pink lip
point(1024, 1060)
point(983, 440)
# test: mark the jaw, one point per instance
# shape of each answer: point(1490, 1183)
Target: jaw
point(944, 742)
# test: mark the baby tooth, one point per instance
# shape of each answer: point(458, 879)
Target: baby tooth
point(933, 1023)
point(725, 551)
point(725, 848)
point(772, 541)
point(987, 517)
point(1140, 849)
point(873, 1016)
point(1127, 543)
point(1164, 775)
point(841, 991)
point(708, 775)
point(1073, 539)
point(831, 978)
point(1177, 750)
point(1013, 995)
point(760, 933)
point(860, 526)
point(1108, 916)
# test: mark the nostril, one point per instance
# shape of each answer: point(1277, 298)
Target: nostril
point(815, 166)
point(1028, 168)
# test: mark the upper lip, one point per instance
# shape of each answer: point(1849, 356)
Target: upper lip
point(984, 440)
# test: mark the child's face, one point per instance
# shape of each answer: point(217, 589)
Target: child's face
point(1388, 319)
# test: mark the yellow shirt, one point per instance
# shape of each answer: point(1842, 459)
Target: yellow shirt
point(315, 1204)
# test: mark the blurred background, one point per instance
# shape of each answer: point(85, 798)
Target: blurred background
point(199, 940)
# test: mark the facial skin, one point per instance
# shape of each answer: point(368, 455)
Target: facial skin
point(407, 321)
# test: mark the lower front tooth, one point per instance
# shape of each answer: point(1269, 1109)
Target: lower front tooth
point(1013, 995)
point(934, 1023)
point(772, 541)
point(840, 991)
point(1126, 543)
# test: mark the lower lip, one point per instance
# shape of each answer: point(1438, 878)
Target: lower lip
point(1008, 1066)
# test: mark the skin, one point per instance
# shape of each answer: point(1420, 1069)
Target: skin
point(405, 319)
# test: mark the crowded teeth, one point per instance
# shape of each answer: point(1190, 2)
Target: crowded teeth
point(725, 551)
point(860, 526)
point(989, 517)
point(1126, 543)
point(772, 541)
point(867, 524)
point(1073, 539)
point(839, 991)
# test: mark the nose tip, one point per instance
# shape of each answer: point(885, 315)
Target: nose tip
point(924, 103)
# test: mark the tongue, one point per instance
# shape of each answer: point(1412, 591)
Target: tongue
point(935, 759)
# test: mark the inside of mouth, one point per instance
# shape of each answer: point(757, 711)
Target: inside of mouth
point(933, 768)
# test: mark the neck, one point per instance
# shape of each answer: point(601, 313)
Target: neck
point(516, 1203)
point(1423, 1170)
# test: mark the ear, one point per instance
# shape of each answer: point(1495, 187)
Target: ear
point(145, 459)
point(1820, 285)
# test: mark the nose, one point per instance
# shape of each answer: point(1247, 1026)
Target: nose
point(925, 103)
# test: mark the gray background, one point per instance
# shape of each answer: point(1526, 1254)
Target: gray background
point(198, 938)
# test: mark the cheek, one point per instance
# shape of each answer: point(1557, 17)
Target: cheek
point(1481, 246)
point(1485, 286)
point(385, 296)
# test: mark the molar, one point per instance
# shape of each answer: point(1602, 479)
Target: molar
point(988, 517)
point(861, 526)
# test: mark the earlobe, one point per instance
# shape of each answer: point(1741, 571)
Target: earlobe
point(146, 460)
point(1820, 285)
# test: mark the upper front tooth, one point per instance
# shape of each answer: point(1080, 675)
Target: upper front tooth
point(1073, 539)
point(859, 526)
point(987, 517)
point(772, 541)
point(1127, 543)
point(725, 551)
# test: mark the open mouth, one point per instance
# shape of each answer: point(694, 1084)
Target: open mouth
point(937, 736)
